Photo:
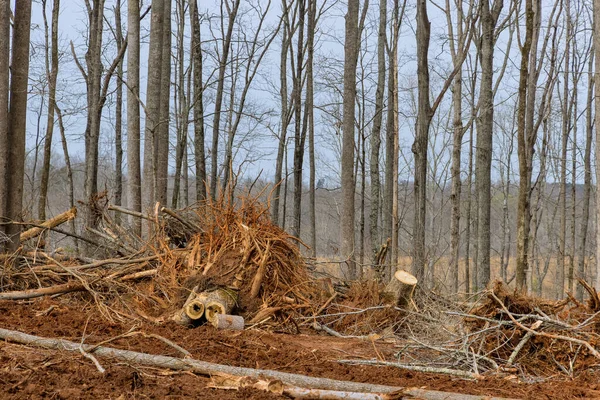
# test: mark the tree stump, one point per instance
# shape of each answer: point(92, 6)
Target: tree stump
point(401, 288)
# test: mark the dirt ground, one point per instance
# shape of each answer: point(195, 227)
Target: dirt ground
point(32, 373)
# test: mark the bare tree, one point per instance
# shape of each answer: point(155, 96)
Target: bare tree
point(51, 61)
point(119, 41)
point(350, 63)
point(17, 121)
point(153, 98)
point(587, 180)
point(134, 183)
point(597, 123)
point(376, 134)
point(4, 113)
point(310, 120)
point(232, 9)
point(200, 157)
point(161, 150)
point(485, 130)
point(425, 112)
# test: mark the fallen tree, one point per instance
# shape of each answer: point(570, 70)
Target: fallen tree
point(210, 369)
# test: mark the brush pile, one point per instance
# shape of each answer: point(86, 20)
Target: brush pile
point(225, 245)
point(534, 335)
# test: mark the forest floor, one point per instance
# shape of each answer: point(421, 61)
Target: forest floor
point(33, 373)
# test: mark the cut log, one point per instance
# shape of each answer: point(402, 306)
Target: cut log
point(211, 369)
point(181, 316)
point(49, 224)
point(225, 321)
point(194, 309)
point(401, 288)
point(220, 301)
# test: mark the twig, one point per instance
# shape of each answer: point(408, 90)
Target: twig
point(418, 368)
point(346, 313)
point(128, 212)
point(94, 360)
point(324, 306)
point(188, 224)
point(320, 327)
point(522, 343)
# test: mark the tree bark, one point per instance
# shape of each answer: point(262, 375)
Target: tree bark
point(524, 153)
point(309, 110)
point(597, 120)
point(200, 166)
point(299, 131)
point(93, 60)
point(285, 115)
point(350, 64)
point(419, 147)
point(485, 133)
point(119, 114)
point(153, 97)
point(52, 74)
point(587, 179)
point(162, 141)
point(232, 13)
point(376, 137)
point(134, 182)
point(5, 13)
point(17, 121)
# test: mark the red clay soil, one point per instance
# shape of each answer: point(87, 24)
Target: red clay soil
point(33, 373)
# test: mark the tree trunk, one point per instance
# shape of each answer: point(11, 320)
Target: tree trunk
point(200, 157)
point(376, 136)
point(181, 104)
point(17, 121)
point(5, 13)
point(350, 63)
point(419, 147)
point(310, 44)
point(161, 151)
point(71, 191)
point(524, 153)
point(298, 128)
point(134, 182)
point(153, 97)
point(93, 59)
point(232, 12)
point(562, 196)
point(587, 180)
point(119, 115)
point(456, 43)
point(485, 133)
point(51, 53)
point(597, 119)
point(393, 126)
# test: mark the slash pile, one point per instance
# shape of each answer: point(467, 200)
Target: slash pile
point(538, 336)
point(223, 243)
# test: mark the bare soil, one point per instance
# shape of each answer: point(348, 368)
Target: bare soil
point(32, 373)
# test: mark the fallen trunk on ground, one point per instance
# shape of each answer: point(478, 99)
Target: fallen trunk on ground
point(207, 368)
